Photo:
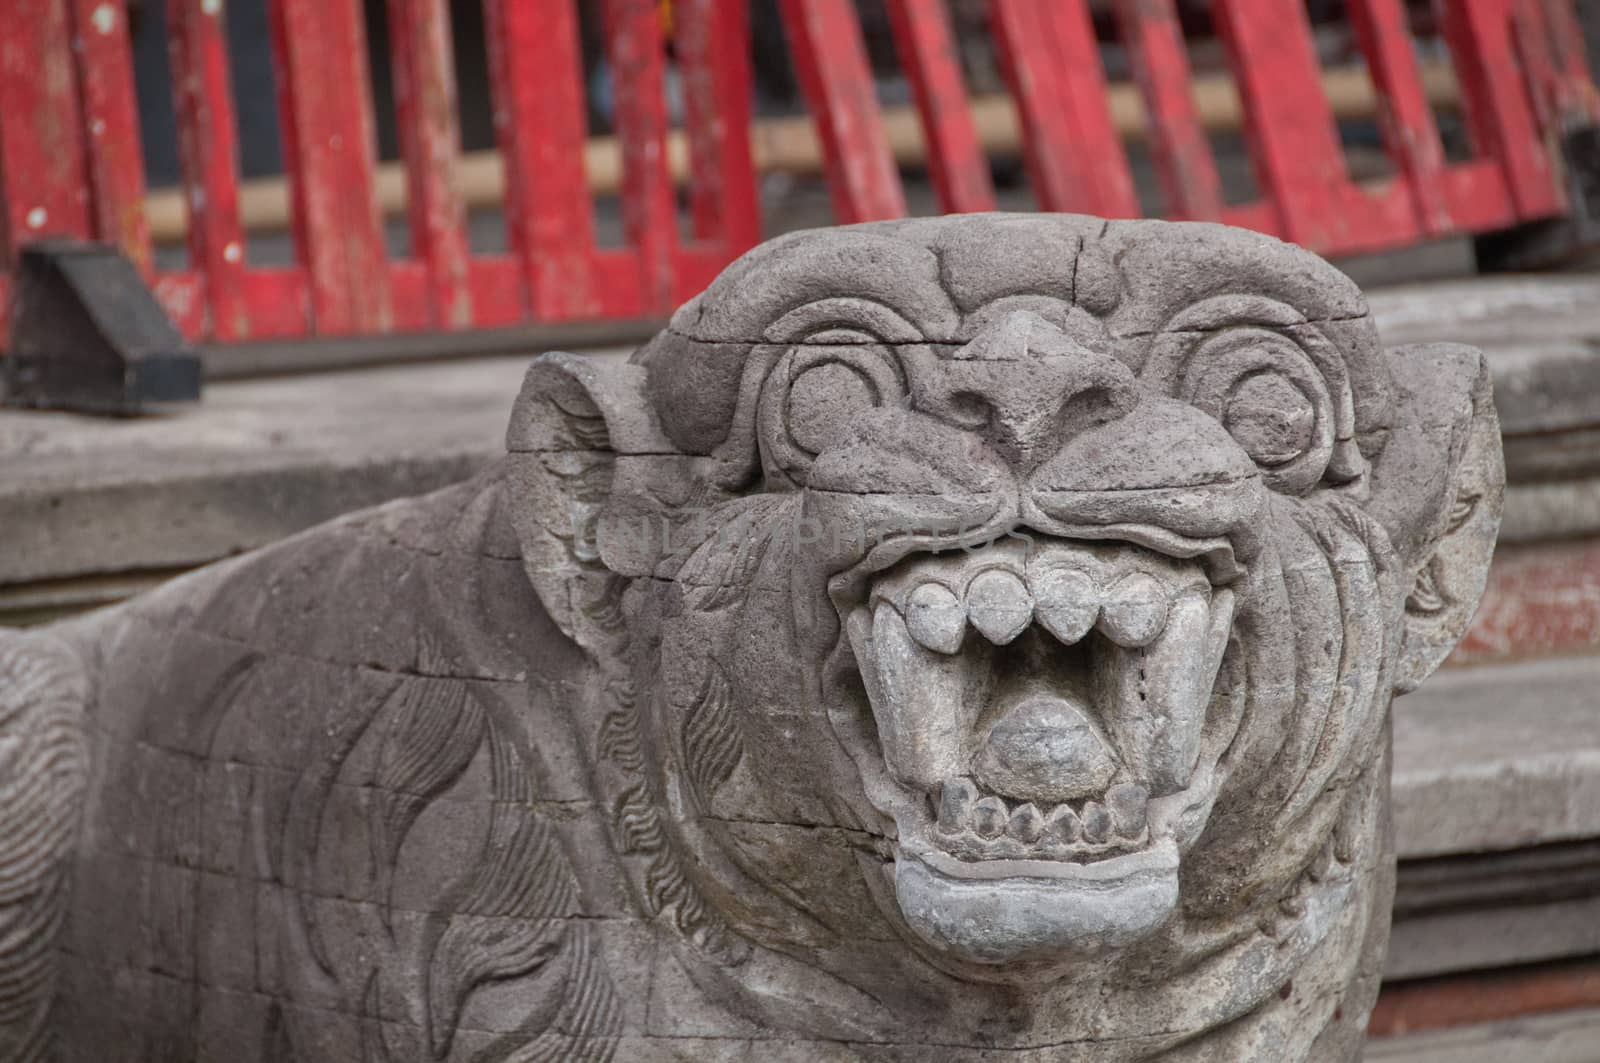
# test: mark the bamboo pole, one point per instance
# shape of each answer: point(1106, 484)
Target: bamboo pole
point(790, 145)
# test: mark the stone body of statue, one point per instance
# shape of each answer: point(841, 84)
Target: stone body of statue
point(962, 638)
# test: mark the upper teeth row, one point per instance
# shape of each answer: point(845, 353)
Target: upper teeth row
point(1131, 613)
point(1122, 813)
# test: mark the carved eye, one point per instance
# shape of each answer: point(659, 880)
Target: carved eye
point(1270, 418)
point(818, 391)
point(824, 401)
point(1266, 391)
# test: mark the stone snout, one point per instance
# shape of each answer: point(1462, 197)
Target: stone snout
point(1041, 706)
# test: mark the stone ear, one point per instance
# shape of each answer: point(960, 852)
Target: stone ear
point(1438, 488)
point(578, 429)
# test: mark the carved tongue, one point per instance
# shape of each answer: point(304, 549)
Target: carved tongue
point(1047, 750)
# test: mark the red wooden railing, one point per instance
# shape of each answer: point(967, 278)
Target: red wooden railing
point(70, 161)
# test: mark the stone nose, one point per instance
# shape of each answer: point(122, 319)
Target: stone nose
point(1027, 387)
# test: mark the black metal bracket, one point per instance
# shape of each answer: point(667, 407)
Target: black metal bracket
point(88, 335)
point(1555, 241)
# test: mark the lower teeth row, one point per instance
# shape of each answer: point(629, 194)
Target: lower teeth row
point(1120, 815)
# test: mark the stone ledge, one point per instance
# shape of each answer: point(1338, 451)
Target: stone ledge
point(1559, 1037)
point(1498, 757)
point(1497, 812)
point(255, 461)
point(1484, 937)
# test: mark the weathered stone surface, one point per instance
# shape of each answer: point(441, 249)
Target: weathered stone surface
point(967, 638)
point(253, 463)
point(1546, 512)
point(1496, 798)
point(1499, 756)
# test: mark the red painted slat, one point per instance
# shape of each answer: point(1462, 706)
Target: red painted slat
point(712, 38)
point(1050, 59)
point(957, 166)
point(697, 266)
point(1083, 81)
point(1495, 100)
point(277, 302)
point(325, 101)
point(617, 278)
point(497, 286)
point(1477, 196)
point(1536, 57)
point(1405, 119)
point(430, 143)
point(1259, 215)
point(412, 286)
point(274, 299)
point(1178, 144)
point(111, 122)
point(1371, 216)
point(1030, 72)
point(831, 62)
point(41, 157)
point(1577, 97)
point(182, 296)
point(207, 152)
point(1289, 126)
point(539, 118)
point(649, 214)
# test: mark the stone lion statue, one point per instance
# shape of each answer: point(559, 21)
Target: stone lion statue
point(958, 638)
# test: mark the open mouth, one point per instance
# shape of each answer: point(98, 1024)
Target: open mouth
point(1041, 713)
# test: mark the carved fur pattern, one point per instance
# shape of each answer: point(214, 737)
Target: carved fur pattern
point(1429, 596)
point(638, 830)
point(638, 825)
point(1347, 716)
point(719, 569)
point(374, 1045)
point(605, 608)
point(585, 1029)
point(589, 430)
point(516, 919)
point(43, 766)
point(712, 744)
point(618, 742)
point(428, 742)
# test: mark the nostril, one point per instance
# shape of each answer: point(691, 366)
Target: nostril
point(1098, 403)
point(969, 409)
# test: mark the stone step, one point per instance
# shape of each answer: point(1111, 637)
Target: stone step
point(1497, 817)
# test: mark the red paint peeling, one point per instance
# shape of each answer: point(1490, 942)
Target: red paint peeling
point(1539, 600)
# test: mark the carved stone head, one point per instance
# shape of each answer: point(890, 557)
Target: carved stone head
point(993, 621)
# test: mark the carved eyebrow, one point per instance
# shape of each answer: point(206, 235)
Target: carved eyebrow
point(883, 321)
